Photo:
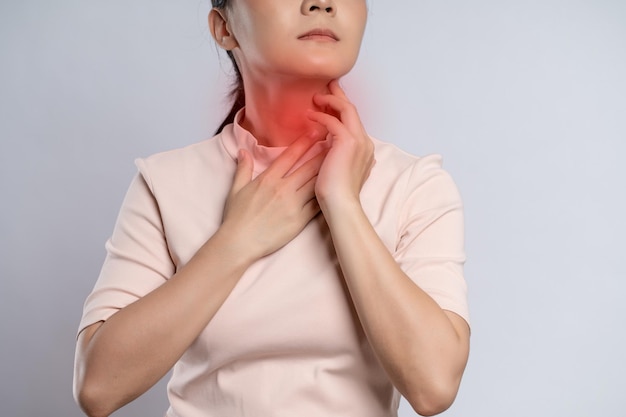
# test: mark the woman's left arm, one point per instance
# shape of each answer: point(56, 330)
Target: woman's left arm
point(423, 348)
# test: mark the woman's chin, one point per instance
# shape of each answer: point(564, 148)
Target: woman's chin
point(323, 70)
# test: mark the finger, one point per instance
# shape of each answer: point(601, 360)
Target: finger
point(307, 171)
point(331, 123)
point(311, 209)
point(345, 109)
point(307, 191)
point(336, 89)
point(243, 174)
point(292, 154)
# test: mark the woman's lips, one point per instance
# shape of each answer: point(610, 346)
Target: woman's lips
point(324, 35)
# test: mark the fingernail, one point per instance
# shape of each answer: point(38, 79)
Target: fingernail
point(316, 132)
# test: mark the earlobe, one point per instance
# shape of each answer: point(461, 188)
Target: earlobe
point(220, 30)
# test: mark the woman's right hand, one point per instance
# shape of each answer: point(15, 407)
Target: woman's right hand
point(264, 214)
point(115, 363)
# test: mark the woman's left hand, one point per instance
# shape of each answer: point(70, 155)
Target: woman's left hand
point(351, 155)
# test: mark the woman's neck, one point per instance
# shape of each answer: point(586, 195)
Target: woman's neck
point(276, 112)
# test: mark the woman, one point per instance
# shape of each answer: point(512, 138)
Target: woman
point(291, 265)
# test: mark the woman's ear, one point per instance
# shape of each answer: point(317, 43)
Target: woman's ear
point(220, 30)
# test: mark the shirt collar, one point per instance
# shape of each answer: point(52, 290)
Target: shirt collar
point(235, 137)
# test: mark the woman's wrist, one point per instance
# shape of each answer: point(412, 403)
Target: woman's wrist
point(341, 207)
point(233, 246)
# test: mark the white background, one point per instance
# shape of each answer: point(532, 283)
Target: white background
point(525, 100)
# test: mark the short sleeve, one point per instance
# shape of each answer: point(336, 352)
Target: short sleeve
point(430, 246)
point(137, 259)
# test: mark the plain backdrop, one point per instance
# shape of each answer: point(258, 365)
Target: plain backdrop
point(525, 100)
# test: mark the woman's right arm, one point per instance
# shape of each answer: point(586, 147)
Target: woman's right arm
point(121, 358)
point(118, 360)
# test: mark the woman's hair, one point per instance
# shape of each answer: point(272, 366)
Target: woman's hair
point(237, 92)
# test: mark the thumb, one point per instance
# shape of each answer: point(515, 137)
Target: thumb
point(243, 174)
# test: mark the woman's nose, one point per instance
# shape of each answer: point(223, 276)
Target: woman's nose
point(314, 6)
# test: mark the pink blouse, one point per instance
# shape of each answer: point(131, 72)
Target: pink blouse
point(287, 341)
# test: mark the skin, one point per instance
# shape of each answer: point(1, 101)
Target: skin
point(293, 98)
point(282, 72)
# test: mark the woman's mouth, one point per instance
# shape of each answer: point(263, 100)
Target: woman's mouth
point(323, 35)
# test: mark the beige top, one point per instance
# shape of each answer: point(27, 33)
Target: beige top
point(287, 341)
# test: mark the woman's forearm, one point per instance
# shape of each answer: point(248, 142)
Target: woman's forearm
point(423, 348)
point(118, 360)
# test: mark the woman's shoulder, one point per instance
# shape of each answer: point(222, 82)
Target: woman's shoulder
point(183, 156)
point(187, 167)
point(395, 159)
point(413, 174)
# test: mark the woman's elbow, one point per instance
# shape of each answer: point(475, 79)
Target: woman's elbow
point(90, 399)
point(432, 401)
point(89, 391)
